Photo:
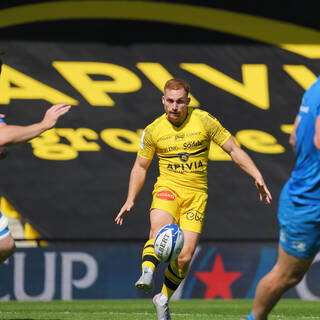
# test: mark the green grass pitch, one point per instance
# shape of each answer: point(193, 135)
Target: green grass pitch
point(143, 309)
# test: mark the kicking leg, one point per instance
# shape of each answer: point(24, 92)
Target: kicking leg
point(158, 219)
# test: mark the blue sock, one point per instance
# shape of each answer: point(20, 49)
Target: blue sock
point(250, 317)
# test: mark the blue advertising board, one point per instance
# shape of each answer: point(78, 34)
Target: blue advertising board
point(216, 272)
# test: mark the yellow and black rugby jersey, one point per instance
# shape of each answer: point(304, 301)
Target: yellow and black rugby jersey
point(182, 151)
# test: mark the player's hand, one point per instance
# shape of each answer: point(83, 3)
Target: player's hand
point(124, 210)
point(263, 191)
point(54, 113)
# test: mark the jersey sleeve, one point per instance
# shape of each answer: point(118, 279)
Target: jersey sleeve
point(1, 120)
point(216, 132)
point(147, 147)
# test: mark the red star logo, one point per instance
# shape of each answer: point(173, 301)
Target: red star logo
point(218, 280)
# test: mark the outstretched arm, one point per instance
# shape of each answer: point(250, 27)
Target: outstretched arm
point(243, 160)
point(137, 178)
point(12, 134)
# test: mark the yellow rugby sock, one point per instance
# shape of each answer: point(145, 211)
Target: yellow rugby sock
point(173, 276)
point(149, 258)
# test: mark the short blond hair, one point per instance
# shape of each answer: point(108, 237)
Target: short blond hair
point(176, 84)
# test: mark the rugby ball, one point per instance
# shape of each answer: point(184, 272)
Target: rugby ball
point(168, 243)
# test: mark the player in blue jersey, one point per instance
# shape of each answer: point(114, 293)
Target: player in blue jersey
point(11, 135)
point(299, 210)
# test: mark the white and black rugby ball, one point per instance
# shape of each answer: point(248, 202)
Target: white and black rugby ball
point(168, 243)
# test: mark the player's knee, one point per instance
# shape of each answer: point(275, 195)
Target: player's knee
point(11, 245)
point(294, 278)
point(289, 278)
point(153, 233)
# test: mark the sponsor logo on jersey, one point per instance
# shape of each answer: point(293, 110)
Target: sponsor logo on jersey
point(195, 216)
point(168, 149)
point(183, 156)
point(164, 138)
point(300, 246)
point(191, 134)
point(283, 237)
point(304, 109)
point(192, 144)
point(165, 195)
point(179, 136)
point(186, 167)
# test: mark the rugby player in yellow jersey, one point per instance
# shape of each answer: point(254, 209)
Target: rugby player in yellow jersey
point(181, 138)
point(11, 135)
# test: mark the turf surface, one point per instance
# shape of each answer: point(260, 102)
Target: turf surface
point(143, 309)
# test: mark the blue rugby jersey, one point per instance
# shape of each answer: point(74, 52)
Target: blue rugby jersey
point(304, 183)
